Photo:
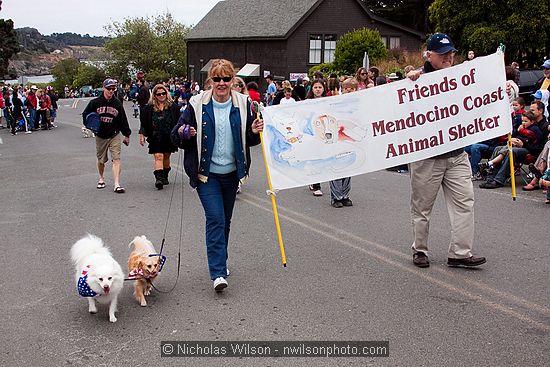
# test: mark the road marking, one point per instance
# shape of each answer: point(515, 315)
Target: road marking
point(339, 237)
point(75, 103)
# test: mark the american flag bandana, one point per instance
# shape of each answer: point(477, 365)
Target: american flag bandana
point(135, 274)
point(82, 286)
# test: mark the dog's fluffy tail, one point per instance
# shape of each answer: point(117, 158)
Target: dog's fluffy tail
point(87, 246)
point(143, 243)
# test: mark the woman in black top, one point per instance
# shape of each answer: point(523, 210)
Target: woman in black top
point(157, 118)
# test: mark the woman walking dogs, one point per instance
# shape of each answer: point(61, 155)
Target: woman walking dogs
point(219, 124)
point(158, 118)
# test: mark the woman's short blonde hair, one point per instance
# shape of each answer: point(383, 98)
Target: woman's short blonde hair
point(221, 67)
point(154, 101)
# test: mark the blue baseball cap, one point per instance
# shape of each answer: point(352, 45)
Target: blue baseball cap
point(109, 83)
point(546, 64)
point(440, 43)
point(537, 94)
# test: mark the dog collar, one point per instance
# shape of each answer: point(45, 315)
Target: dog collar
point(162, 260)
point(82, 286)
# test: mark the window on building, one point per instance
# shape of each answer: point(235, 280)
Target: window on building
point(391, 42)
point(321, 48)
point(395, 42)
point(330, 47)
point(315, 48)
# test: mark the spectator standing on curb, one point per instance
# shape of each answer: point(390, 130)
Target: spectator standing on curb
point(451, 171)
point(53, 111)
point(317, 91)
point(31, 102)
point(2, 106)
point(45, 104)
point(253, 92)
point(110, 112)
point(341, 188)
point(299, 89)
point(271, 90)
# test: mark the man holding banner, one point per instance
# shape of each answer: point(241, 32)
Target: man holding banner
point(452, 172)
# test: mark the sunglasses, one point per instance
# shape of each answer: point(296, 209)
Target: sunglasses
point(218, 79)
point(363, 74)
point(111, 89)
point(160, 94)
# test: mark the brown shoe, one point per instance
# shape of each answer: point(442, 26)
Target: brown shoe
point(421, 260)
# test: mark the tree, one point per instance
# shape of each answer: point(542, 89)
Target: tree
point(64, 73)
point(88, 75)
point(351, 48)
point(481, 25)
point(8, 45)
point(152, 44)
point(412, 13)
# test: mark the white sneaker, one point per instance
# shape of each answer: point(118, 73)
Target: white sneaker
point(317, 193)
point(28, 132)
point(220, 284)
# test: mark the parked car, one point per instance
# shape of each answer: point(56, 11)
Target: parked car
point(529, 82)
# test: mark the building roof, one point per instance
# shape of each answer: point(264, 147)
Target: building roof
point(251, 19)
point(260, 19)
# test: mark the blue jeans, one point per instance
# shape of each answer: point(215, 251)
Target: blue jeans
point(218, 199)
point(475, 151)
point(32, 118)
point(504, 169)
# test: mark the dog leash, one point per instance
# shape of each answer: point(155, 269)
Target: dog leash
point(162, 257)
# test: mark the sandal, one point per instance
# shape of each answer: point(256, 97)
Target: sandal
point(100, 185)
point(530, 187)
point(119, 190)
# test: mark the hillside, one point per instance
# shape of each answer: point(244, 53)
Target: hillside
point(40, 53)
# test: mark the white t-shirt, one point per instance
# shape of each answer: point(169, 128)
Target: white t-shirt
point(289, 100)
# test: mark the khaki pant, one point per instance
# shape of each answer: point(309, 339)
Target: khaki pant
point(113, 145)
point(453, 175)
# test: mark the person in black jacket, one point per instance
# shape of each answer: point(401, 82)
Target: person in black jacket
point(158, 118)
point(143, 94)
point(113, 121)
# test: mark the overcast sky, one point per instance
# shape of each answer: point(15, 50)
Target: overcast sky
point(90, 16)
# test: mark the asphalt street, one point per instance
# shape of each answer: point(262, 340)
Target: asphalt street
point(349, 275)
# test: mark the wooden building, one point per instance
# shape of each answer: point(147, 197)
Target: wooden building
point(283, 37)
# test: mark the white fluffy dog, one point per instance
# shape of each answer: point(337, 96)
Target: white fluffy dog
point(86, 133)
point(98, 276)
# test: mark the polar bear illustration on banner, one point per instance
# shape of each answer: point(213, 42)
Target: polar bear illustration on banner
point(316, 143)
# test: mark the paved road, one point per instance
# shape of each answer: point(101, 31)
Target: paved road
point(349, 274)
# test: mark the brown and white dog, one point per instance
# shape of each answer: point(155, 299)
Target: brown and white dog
point(143, 266)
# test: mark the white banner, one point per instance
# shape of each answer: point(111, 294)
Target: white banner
point(328, 138)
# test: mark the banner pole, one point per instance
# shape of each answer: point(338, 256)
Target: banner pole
point(512, 169)
point(271, 193)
